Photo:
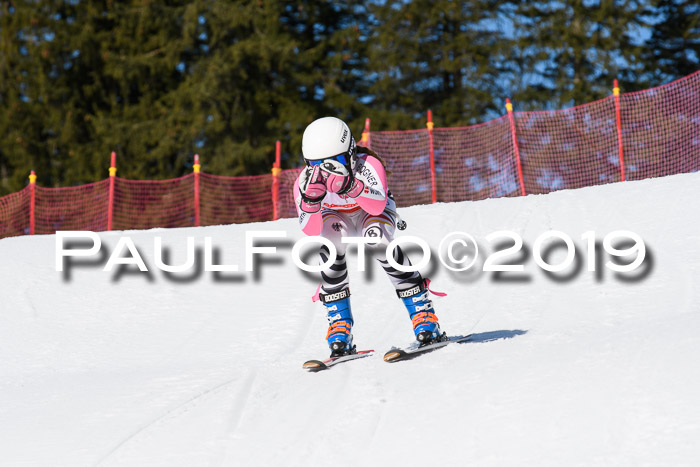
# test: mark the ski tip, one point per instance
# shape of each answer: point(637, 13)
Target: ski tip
point(392, 355)
point(314, 365)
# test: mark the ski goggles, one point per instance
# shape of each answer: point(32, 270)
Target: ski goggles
point(342, 158)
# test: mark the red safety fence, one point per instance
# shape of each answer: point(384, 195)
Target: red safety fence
point(227, 200)
point(570, 148)
point(661, 129)
point(14, 213)
point(75, 208)
point(629, 136)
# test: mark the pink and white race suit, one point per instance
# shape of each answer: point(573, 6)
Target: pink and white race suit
point(371, 214)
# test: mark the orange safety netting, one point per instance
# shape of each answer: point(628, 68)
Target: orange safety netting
point(226, 200)
point(145, 204)
point(475, 162)
point(72, 208)
point(407, 158)
point(286, 207)
point(661, 129)
point(657, 133)
point(570, 148)
point(14, 214)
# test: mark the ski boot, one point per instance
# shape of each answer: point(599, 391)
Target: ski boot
point(420, 310)
point(340, 322)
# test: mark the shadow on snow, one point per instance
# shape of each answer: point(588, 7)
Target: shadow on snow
point(496, 335)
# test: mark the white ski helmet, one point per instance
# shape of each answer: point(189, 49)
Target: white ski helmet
point(327, 137)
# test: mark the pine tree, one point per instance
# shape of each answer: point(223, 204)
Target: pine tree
point(159, 81)
point(87, 78)
point(137, 55)
point(329, 71)
point(570, 52)
point(434, 55)
point(673, 50)
point(29, 122)
point(271, 68)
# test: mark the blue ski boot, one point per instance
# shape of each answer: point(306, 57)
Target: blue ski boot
point(340, 322)
point(420, 310)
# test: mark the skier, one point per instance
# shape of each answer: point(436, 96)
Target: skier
point(342, 191)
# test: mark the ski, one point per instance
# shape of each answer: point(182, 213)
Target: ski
point(319, 365)
point(414, 350)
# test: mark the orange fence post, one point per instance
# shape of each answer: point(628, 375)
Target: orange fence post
point(112, 174)
point(32, 202)
point(276, 170)
point(430, 125)
point(196, 168)
point(509, 109)
point(616, 93)
point(365, 134)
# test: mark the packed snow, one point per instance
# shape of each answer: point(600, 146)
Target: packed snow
point(201, 368)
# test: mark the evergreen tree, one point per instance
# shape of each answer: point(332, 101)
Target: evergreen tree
point(30, 122)
point(568, 53)
point(673, 50)
point(330, 72)
point(434, 55)
point(137, 56)
point(159, 81)
point(86, 78)
point(271, 68)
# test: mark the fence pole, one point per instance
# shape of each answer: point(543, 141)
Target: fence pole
point(32, 202)
point(112, 175)
point(430, 125)
point(509, 109)
point(276, 170)
point(616, 93)
point(365, 135)
point(196, 168)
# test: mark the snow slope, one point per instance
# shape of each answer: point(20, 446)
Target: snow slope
point(203, 369)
